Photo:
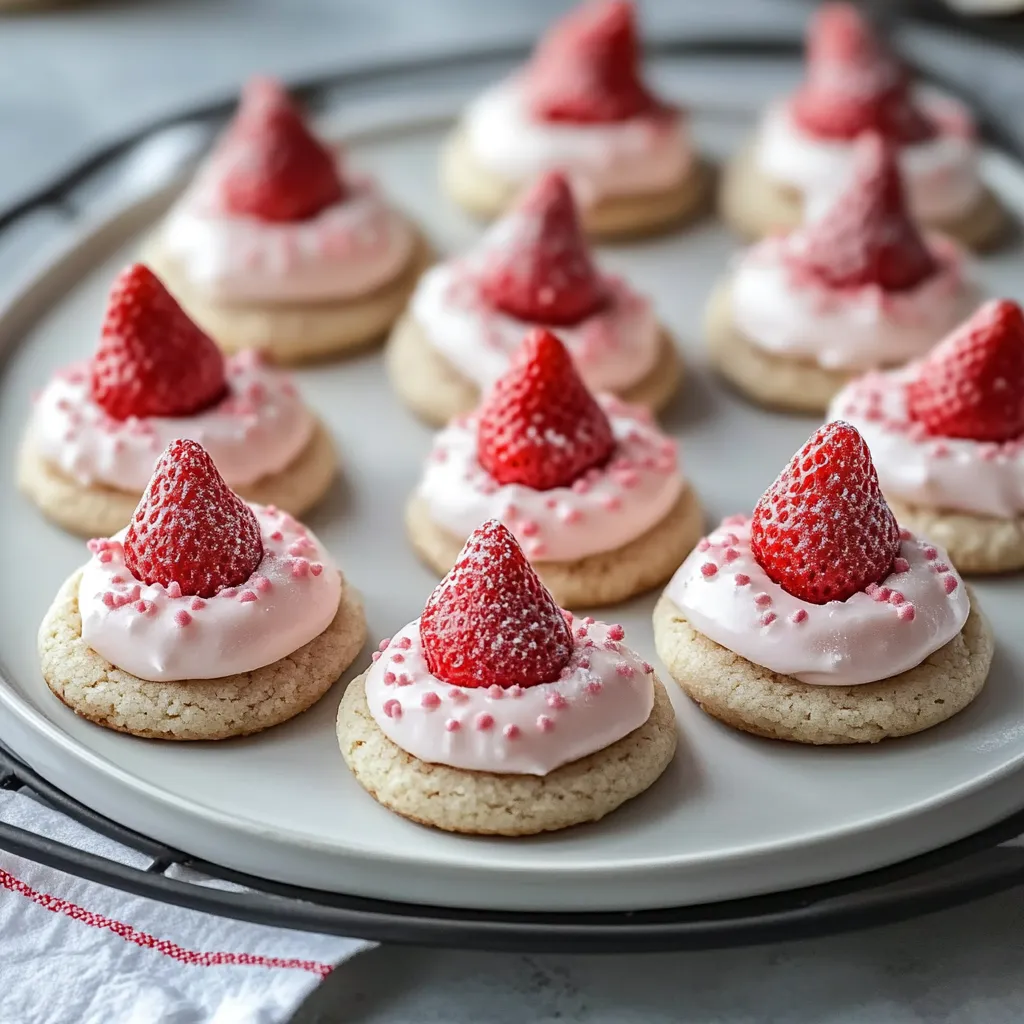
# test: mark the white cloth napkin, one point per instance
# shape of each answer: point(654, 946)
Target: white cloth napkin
point(76, 951)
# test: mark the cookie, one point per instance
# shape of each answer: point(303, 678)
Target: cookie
point(295, 332)
point(193, 709)
point(605, 578)
point(433, 389)
point(486, 195)
point(99, 511)
point(754, 205)
point(794, 385)
point(480, 803)
point(756, 700)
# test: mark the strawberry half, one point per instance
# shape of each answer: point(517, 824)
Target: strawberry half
point(152, 360)
point(190, 528)
point(491, 620)
point(271, 166)
point(541, 271)
point(867, 236)
point(854, 83)
point(539, 426)
point(971, 385)
point(586, 69)
point(823, 531)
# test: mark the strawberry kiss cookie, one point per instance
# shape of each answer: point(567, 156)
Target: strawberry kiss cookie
point(581, 105)
point(206, 618)
point(804, 144)
point(590, 487)
point(497, 713)
point(275, 247)
point(947, 438)
point(468, 315)
point(819, 619)
point(856, 289)
point(97, 427)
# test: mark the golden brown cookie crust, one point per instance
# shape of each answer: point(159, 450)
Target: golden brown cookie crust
point(486, 195)
point(480, 803)
point(756, 700)
point(754, 205)
point(605, 578)
point(297, 332)
point(436, 392)
point(95, 510)
point(193, 709)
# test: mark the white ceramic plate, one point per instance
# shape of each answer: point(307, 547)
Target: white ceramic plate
point(732, 817)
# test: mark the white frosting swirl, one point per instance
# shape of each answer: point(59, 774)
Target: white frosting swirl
point(258, 429)
point(949, 473)
point(850, 328)
point(602, 511)
point(344, 251)
point(604, 693)
point(941, 174)
point(875, 634)
point(644, 154)
point(154, 632)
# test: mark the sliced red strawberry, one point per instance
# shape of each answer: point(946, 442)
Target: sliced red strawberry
point(586, 69)
point(823, 531)
point(971, 385)
point(491, 620)
point(152, 360)
point(867, 237)
point(542, 271)
point(190, 528)
point(854, 83)
point(272, 167)
point(539, 426)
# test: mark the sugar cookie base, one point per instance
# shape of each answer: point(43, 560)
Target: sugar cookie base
point(777, 382)
point(435, 391)
point(486, 195)
point(754, 205)
point(755, 700)
point(95, 510)
point(605, 578)
point(481, 803)
point(193, 709)
point(975, 544)
point(294, 332)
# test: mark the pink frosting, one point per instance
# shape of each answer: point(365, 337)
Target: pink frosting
point(633, 157)
point(956, 474)
point(849, 328)
point(258, 429)
point(875, 634)
point(156, 632)
point(602, 511)
point(344, 251)
point(604, 693)
point(941, 174)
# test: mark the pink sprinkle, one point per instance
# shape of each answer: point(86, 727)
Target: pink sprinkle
point(495, 692)
point(800, 615)
point(949, 584)
point(117, 579)
point(762, 600)
point(648, 668)
point(109, 599)
point(581, 632)
point(556, 700)
point(142, 606)
point(453, 725)
point(703, 544)
point(544, 723)
point(389, 676)
point(511, 731)
point(174, 589)
point(901, 565)
point(404, 643)
point(731, 554)
point(277, 535)
point(583, 663)
point(768, 618)
point(197, 603)
point(931, 553)
point(384, 644)
point(398, 658)
point(611, 503)
point(589, 620)
point(528, 528)
point(430, 700)
point(375, 656)
point(182, 618)
point(248, 597)
point(580, 486)
point(404, 679)
point(262, 584)
point(896, 598)
point(458, 695)
point(882, 594)
point(516, 691)
point(105, 556)
point(905, 534)
point(393, 708)
point(940, 567)
point(315, 568)
point(629, 479)
point(741, 579)
point(731, 538)
point(594, 687)
point(97, 544)
point(228, 593)
point(906, 613)
point(610, 645)
point(299, 547)
point(571, 516)
point(624, 670)
point(708, 569)
point(484, 721)
point(536, 549)
point(616, 632)
point(300, 568)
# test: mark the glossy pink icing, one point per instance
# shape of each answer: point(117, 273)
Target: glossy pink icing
point(956, 474)
point(942, 176)
point(850, 328)
point(875, 634)
point(604, 510)
point(258, 429)
point(604, 693)
point(344, 251)
point(156, 633)
point(633, 157)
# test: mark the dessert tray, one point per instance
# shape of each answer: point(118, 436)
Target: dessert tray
point(741, 840)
